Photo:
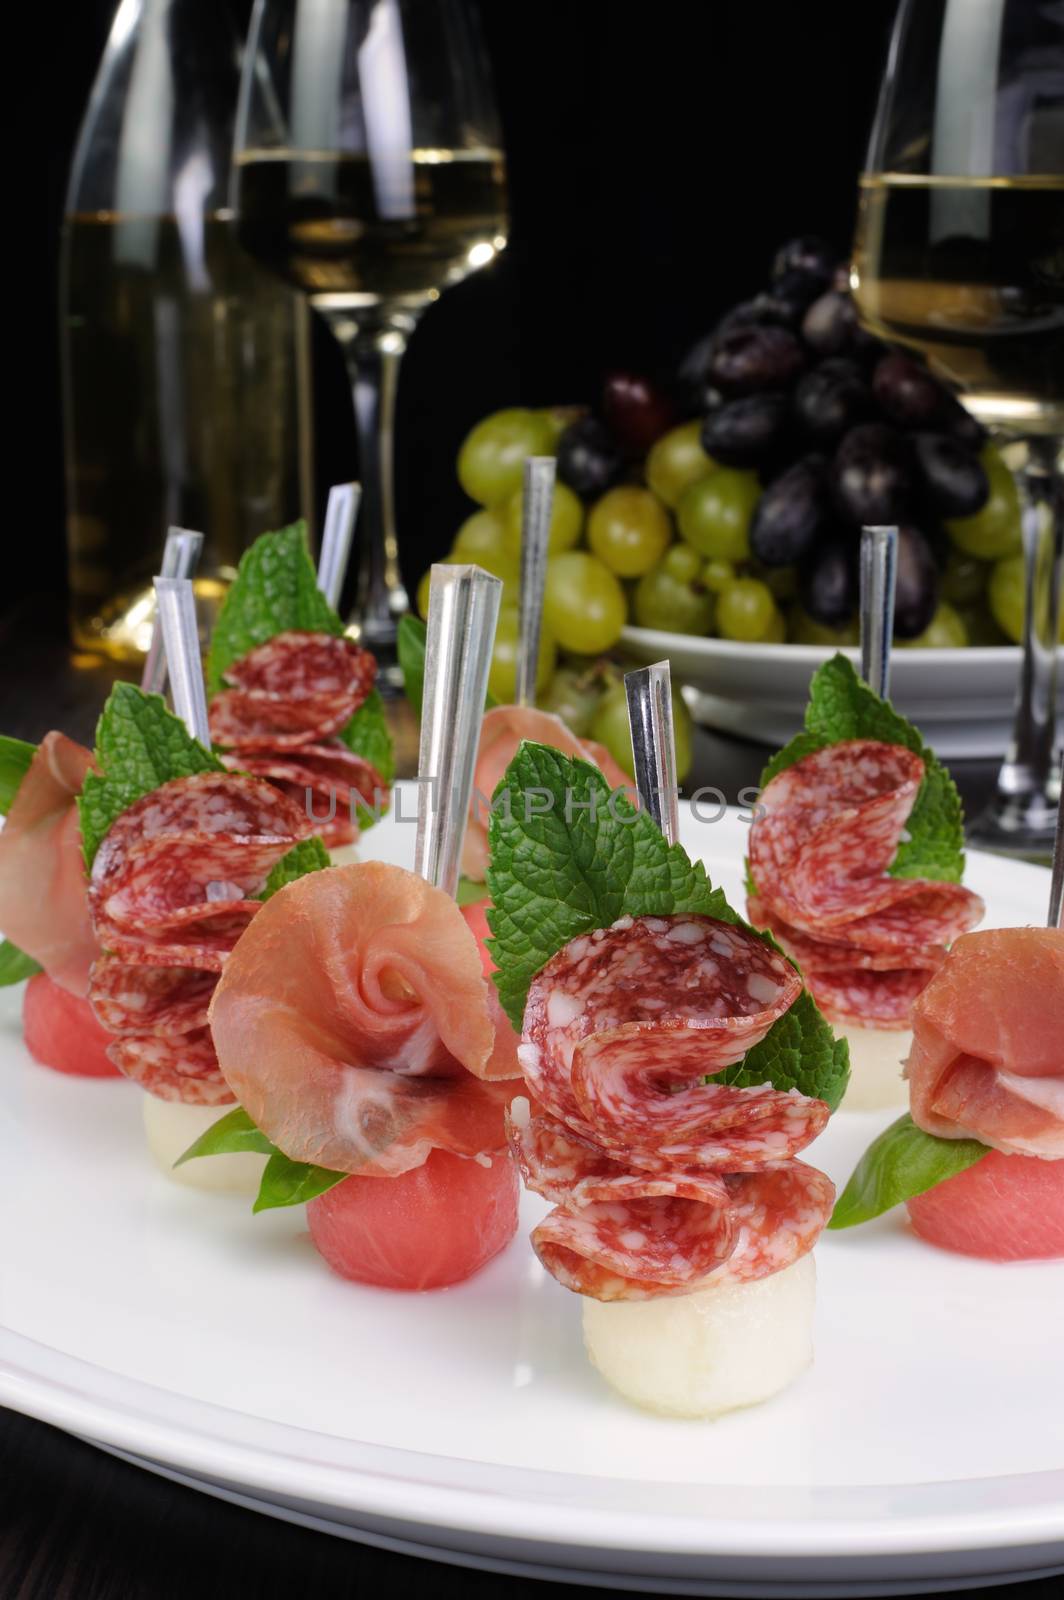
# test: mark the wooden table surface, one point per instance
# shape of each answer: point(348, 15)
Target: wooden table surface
point(78, 1524)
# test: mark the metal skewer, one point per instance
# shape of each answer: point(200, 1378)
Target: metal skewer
point(463, 611)
point(649, 691)
point(879, 575)
point(537, 503)
point(181, 555)
point(1056, 883)
point(177, 620)
point(340, 515)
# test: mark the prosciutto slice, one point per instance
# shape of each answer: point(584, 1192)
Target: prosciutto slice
point(658, 1178)
point(820, 854)
point(987, 1060)
point(279, 719)
point(44, 908)
point(352, 1024)
point(503, 729)
point(174, 884)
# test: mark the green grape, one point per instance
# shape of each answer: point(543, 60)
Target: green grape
point(746, 610)
point(492, 458)
point(584, 605)
point(502, 676)
point(945, 631)
point(482, 539)
point(676, 461)
point(558, 419)
point(715, 513)
point(776, 632)
point(573, 694)
point(682, 563)
point(783, 581)
point(717, 575)
point(802, 629)
point(982, 628)
point(964, 579)
point(566, 521)
point(629, 529)
point(993, 532)
point(663, 601)
point(610, 728)
point(1006, 596)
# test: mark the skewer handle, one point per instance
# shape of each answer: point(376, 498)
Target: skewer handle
point(879, 575)
point(537, 504)
point(181, 555)
point(340, 516)
point(463, 611)
point(177, 619)
point(1056, 882)
point(649, 691)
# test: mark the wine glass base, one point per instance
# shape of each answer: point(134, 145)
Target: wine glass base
point(1022, 826)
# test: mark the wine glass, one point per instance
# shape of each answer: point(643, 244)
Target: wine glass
point(960, 253)
point(368, 172)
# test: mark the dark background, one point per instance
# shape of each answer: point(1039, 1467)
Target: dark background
point(659, 151)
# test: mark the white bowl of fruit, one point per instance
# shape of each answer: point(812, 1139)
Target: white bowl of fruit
point(716, 520)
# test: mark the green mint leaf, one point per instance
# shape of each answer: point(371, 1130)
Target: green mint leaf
point(367, 735)
point(292, 1183)
point(567, 857)
point(411, 644)
point(903, 1161)
point(233, 1134)
point(15, 964)
point(15, 758)
point(275, 590)
point(310, 855)
point(800, 1052)
point(841, 706)
point(139, 746)
point(469, 891)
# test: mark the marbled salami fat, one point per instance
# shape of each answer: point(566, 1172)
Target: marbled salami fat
point(174, 884)
point(279, 716)
point(820, 853)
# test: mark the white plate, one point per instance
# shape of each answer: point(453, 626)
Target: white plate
point(921, 1450)
point(962, 699)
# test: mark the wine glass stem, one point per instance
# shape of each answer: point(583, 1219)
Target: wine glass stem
point(1028, 772)
point(372, 357)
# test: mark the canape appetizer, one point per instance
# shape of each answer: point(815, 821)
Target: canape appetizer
point(979, 1159)
point(44, 909)
point(357, 1028)
point(292, 700)
point(855, 861)
point(674, 1069)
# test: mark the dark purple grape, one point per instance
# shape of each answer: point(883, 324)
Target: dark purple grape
point(840, 278)
point(826, 404)
point(871, 476)
point(812, 257)
point(786, 302)
point(827, 582)
point(919, 582)
point(791, 514)
point(961, 425)
point(742, 433)
point(907, 393)
point(830, 325)
point(589, 458)
point(954, 481)
point(842, 367)
point(748, 360)
point(636, 411)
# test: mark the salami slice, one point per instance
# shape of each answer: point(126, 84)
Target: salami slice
point(278, 719)
point(820, 853)
point(622, 1026)
point(615, 1234)
point(174, 885)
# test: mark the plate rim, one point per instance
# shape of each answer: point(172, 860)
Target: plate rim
point(506, 1502)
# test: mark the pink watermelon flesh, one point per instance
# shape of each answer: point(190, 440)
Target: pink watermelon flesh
point(61, 1031)
point(1004, 1208)
point(433, 1226)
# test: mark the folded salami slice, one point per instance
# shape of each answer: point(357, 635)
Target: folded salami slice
point(829, 829)
point(352, 1024)
point(623, 1024)
point(621, 1235)
point(43, 906)
point(173, 886)
point(287, 700)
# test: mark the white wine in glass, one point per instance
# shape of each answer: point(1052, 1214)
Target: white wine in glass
point(368, 173)
point(959, 253)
